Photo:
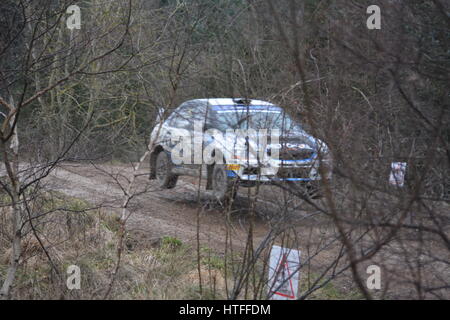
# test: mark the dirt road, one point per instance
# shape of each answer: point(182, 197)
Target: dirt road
point(156, 213)
point(184, 212)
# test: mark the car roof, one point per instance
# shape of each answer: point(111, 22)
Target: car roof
point(234, 101)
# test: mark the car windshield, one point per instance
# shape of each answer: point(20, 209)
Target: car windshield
point(253, 117)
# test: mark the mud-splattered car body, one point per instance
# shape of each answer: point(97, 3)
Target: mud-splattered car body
point(253, 140)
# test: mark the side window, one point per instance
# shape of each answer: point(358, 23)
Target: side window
point(199, 113)
point(170, 119)
point(178, 119)
point(185, 115)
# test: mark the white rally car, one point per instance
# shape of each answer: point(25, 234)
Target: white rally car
point(232, 142)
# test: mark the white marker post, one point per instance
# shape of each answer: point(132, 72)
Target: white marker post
point(397, 175)
point(284, 273)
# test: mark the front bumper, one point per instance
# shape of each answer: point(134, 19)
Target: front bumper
point(280, 170)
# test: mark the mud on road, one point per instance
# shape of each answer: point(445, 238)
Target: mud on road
point(187, 211)
point(175, 212)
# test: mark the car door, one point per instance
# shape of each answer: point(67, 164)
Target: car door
point(174, 129)
point(181, 125)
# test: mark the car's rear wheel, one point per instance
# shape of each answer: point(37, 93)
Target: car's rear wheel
point(164, 175)
point(224, 187)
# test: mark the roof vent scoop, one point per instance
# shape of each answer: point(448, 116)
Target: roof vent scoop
point(242, 101)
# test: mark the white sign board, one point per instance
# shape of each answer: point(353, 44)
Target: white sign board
point(397, 176)
point(284, 273)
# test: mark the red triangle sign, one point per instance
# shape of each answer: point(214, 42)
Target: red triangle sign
point(286, 290)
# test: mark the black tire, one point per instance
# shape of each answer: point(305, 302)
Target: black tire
point(163, 170)
point(224, 187)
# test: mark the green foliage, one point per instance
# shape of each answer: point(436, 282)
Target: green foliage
point(171, 243)
point(211, 259)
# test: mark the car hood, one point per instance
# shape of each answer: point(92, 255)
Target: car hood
point(298, 139)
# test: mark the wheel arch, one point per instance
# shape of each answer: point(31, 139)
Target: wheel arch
point(153, 157)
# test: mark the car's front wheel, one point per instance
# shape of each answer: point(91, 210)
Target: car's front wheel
point(224, 187)
point(164, 175)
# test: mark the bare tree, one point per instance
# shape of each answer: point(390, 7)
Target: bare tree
point(38, 32)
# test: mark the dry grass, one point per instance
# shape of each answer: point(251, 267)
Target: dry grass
point(74, 234)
